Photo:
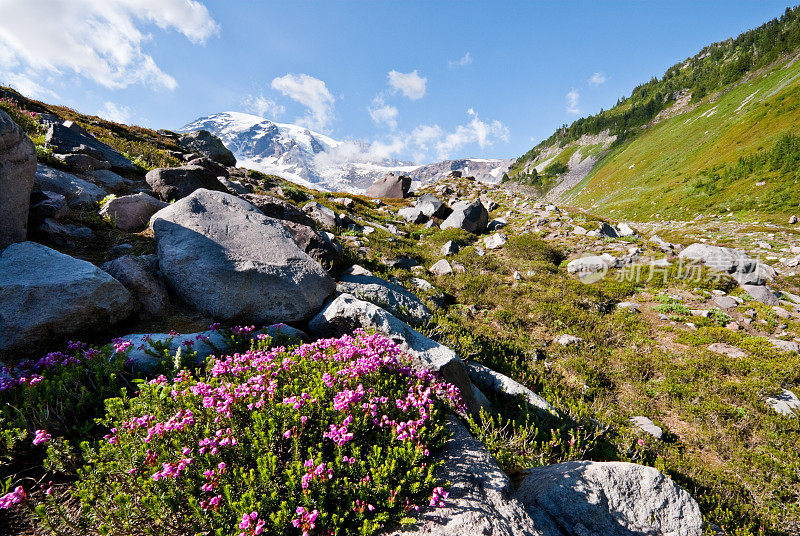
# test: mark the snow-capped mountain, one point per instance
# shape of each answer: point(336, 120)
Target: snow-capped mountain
point(318, 161)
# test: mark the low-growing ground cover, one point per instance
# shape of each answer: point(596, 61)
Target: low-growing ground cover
point(332, 437)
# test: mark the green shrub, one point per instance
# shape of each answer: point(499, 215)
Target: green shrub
point(334, 434)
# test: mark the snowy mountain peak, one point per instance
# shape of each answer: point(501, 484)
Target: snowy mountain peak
point(318, 161)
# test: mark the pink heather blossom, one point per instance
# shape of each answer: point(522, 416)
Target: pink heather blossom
point(15, 497)
point(41, 436)
point(438, 497)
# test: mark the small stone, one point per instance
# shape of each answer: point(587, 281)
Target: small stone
point(568, 340)
point(441, 267)
point(648, 426)
point(785, 402)
point(449, 248)
point(495, 241)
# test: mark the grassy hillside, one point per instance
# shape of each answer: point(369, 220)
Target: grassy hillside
point(677, 166)
point(676, 142)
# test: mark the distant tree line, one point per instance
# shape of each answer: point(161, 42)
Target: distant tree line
point(713, 68)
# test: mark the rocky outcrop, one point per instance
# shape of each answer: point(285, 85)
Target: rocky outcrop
point(737, 263)
point(77, 191)
point(390, 186)
point(176, 183)
point(207, 144)
point(584, 498)
point(47, 295)
point(490, 380)
point(384, 294)
point(471, 217)
point(17, 169)
point(70, 138)
point(132, 212)
point(321, 247)
point(481, 498)
point(141, 277)
point(347, 313)
point(222, 255)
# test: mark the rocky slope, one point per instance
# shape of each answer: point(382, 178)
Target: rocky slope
point(318, 161)
point(580, 339)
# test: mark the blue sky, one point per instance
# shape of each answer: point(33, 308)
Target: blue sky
point(420, 80)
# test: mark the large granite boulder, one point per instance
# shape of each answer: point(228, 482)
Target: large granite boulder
point(222, 255)
point(319, 246)
point(585, 498)
point(76, 190)
point(390, 186)
point(385, 294)
point(17, 169)
point(141, 277)
point(471, 217)
point(132, 212)
point(46, 295)
point(207, 144)
point(176, 183)
point(481, 500)
point(71, 138)
point(431, 206)
point(347, 313)
point(738, 264)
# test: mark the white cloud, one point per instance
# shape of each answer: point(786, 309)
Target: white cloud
point(412, 85)
point(101, 40)
point(311, 93)
point(476, 131)
point(382, 113)
point(463, 62)
point(572, 102)
point(115, 112)
point(596, 79)
point(263, 107)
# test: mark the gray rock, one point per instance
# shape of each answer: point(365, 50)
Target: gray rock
point(785, 403)
point(347, 313)
point(761, 293)
point(647, 426)
point(222, 255)
point(725, 302)
point(587, 265)
point(629, 306)
point(568, 340)
point(608, 230)
point(441, 267)
point(63, 234)
point(727, 350)
point(109, 179)
point(471, 217)
point(69, 137)
point(584, 498)
point(727, 260)
point(132, 212)
point(141, 277)
point(792, 219)
point(288, 332)
point(81, 162)
point(431, 206)
point(322, 215)
point(495, 241)
point(46, 205)
point(489, 203)
point(412, 215)
point(382, 293)
point(390, 186)
point(346, 202)
point(786, 346)
point(17, 170)
point(76, 190)
point(321, 247)
point(487, 379)
point(449, 248)
point(47, 295)
point(623, 229)
point(207, 144)
point(178, 182)
point(235, 187)
point(206, 343)
point(496, 224)
point(480, 501)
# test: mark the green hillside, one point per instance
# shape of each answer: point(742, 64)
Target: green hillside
point(727, 147)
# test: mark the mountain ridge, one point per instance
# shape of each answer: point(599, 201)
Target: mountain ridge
point(319, 161)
